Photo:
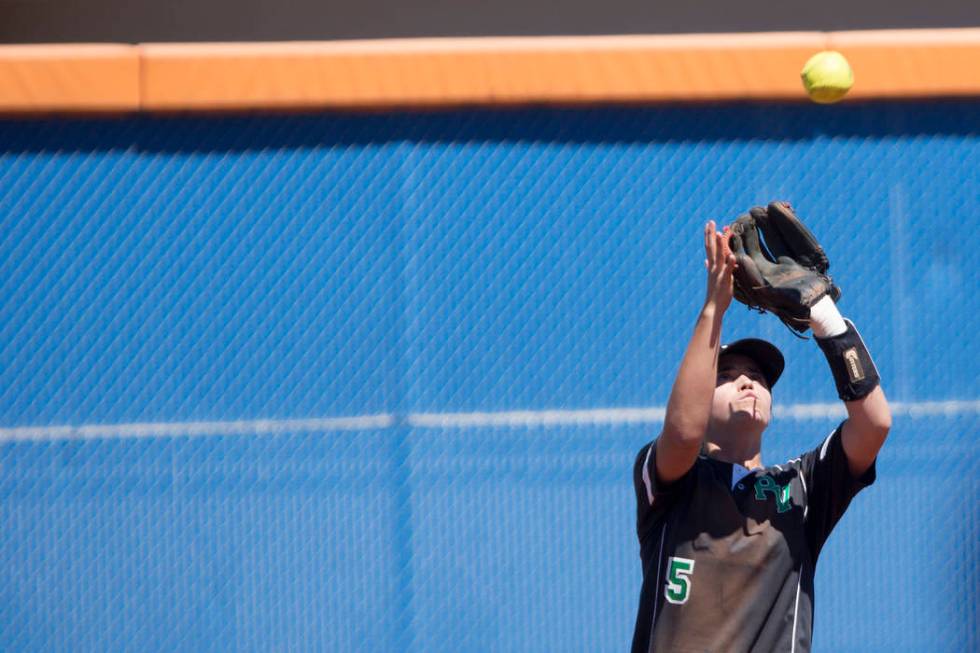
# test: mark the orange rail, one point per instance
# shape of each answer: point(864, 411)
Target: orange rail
point(69, 77)
point(399, 73)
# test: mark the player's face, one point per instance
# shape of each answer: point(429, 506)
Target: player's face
point(741, 391)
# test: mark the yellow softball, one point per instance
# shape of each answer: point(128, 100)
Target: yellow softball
point(827, 77)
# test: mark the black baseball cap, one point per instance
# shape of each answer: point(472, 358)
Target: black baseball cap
point(769, 359)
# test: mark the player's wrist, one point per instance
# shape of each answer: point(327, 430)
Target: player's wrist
point(713, 309)
point(825, 320)
point(850, 363)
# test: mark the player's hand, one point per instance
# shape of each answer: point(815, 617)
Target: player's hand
point(787, 275)
point(720, 262)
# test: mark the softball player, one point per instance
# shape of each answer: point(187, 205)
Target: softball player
point(729, 545)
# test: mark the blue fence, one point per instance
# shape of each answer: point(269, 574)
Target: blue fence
point(188, 304)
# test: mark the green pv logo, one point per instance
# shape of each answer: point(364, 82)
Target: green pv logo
point(779, 492)
point(678, 588)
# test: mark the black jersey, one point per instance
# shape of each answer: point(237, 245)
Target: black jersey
point(729, 554)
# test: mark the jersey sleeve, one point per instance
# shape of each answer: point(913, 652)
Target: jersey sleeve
point(830, 486)
point(654, 499)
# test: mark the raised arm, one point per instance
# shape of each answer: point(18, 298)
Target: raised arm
point(864, 432)
point(868, 417)
point(689, 406)
point(788, 278)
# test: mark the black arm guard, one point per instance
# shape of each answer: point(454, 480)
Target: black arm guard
point(854, 372)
